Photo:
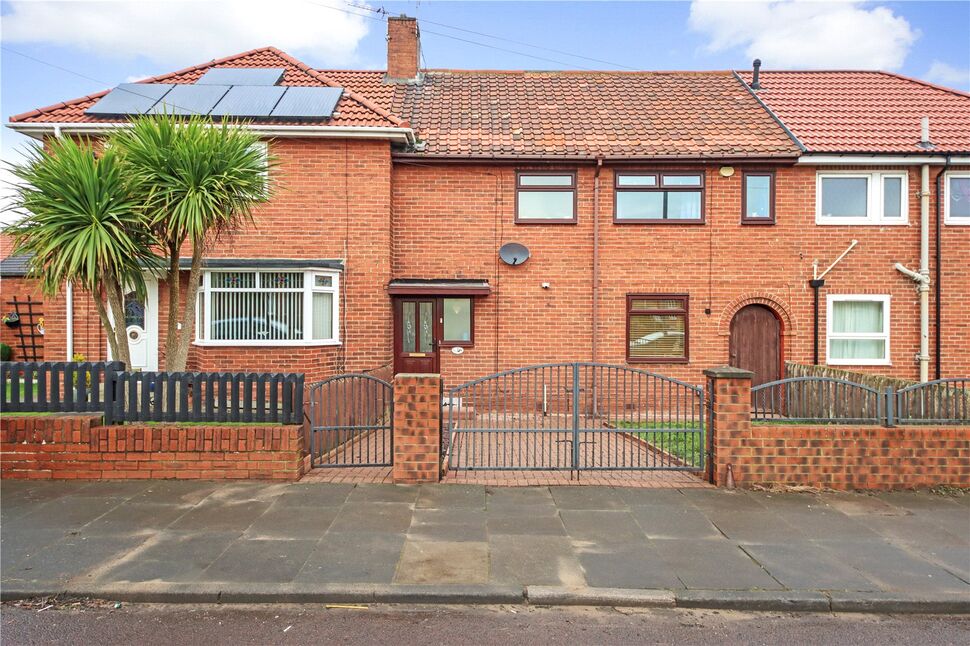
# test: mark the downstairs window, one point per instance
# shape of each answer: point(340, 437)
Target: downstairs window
point(268, 307)
point(858, 330)
point(656, 328)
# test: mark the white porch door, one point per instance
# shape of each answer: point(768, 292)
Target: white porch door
point(141, 327)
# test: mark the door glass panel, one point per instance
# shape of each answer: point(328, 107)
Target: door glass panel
point(427, 322)
point(134, 311)
point(409, 322)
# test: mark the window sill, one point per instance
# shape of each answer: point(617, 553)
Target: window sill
point(855, 222)
point(456, 344)
point(758, 221)
point(659, 360)
point(666, 222)
point(553, 221)
point(858, 362)
point(264, 344)
point(957, 222)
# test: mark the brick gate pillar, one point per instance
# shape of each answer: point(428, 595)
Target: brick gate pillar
point(417, 428)
point(729, 419)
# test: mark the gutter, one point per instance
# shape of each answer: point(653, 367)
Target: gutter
point(589, 159)
point(401, 135)
point(888, 159)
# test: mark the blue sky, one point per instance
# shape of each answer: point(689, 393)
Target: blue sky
point(100, 44)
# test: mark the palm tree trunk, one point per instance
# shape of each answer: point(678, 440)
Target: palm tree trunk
point(106, 322)
point(116, 300)
point(191, 297)
point(174, 306)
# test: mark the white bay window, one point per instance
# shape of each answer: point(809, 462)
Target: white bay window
point(268, 307)
point(858, 330)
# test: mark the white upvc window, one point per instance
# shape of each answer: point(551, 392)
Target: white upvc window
point(853, 197)
point(272, 307)
point(956, 198)
point(857, 327)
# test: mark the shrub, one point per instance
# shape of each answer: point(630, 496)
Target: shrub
point(6, 352)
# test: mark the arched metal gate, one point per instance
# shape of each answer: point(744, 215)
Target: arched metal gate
point(575, 416)
point(350, 418)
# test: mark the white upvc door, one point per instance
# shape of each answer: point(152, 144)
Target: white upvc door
point(141, 327)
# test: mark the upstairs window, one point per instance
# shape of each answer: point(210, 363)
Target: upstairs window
point(268, 307)
point(659, 198)
point(758, 198)
point(957, 198)
point(656, 328)
point(862, 198)
point(545, 198)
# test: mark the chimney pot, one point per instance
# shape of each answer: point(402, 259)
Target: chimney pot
point(756, 75)
point(403, 49)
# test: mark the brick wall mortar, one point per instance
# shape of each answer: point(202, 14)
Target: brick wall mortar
point(78, 447)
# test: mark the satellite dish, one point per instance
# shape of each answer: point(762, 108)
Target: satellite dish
point(513, 253)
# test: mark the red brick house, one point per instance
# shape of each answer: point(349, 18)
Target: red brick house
point(674, 221)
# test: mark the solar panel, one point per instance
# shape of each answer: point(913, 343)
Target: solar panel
point(307, 103)
point(248, 101)
point(190, 99)
point(241, 76)
point(130, 98)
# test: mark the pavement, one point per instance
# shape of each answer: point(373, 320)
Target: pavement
point(181, 541)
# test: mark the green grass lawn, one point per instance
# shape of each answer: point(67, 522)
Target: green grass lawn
point(687, 446)
point(21, 390)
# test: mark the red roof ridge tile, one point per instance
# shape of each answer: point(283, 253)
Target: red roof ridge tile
point(913, 79)
point(445, 70)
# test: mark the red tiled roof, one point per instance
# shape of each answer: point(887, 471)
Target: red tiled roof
point(630, 114)
point(352, 109)
point(866, 112)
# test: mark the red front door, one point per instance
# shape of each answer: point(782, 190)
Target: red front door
point(415, 335)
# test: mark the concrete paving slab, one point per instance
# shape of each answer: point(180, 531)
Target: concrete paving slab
point(68, 512)
point(894, 569)
point(954, 523)
point(807, 567)
point(709, 565)
point(373, 517)
point(353, 557)
point(18, 544)
point(667, 521)
point(441, 562)
point(456, 496)
point(637, 497)
point(221, 516)
point(534, 560)
point(448, 525)
point(247, 491)
point(605, 527)
point(70, 558)
point(170, 556)
point(314, 495)
point(544, 525)
point(129, 519)
point(754, 526)
point(260, 561)
point(176, 492)
point(114, 489)
point(524, 500)
point(821, 523)
point(384, 493)
point(723, 500)
point(293, 522)
point(626, 565)
point(956, 560)
point(854, 504)
point(915, 529)
point(589, 498)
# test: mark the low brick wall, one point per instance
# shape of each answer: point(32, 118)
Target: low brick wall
point(847, 457)
point(417, 428)
point(79, 447)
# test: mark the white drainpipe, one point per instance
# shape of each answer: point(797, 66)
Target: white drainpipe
point(69, 315)
point(922, 278)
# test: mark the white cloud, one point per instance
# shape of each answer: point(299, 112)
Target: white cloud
point(185, 32)
point(807, 35)
point(945, 74)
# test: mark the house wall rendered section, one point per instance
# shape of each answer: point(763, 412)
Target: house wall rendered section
point(450, 221)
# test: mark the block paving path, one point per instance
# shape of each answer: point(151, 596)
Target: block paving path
point(59, 535)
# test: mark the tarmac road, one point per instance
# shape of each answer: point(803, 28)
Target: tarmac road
point(101, 623)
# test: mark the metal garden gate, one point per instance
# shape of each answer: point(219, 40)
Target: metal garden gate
point(350, 420)
point(575, 416)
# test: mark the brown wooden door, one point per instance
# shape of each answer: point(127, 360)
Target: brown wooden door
point(756, 343)
point(415, 336)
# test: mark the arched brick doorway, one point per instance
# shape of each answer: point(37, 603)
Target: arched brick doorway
point(756, 342)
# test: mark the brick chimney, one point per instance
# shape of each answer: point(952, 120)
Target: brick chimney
point(403, 49)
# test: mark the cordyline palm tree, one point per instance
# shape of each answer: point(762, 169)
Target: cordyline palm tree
point(82, 224)
point(196, 180)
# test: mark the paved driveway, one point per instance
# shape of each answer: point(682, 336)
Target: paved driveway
point(73, 534)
